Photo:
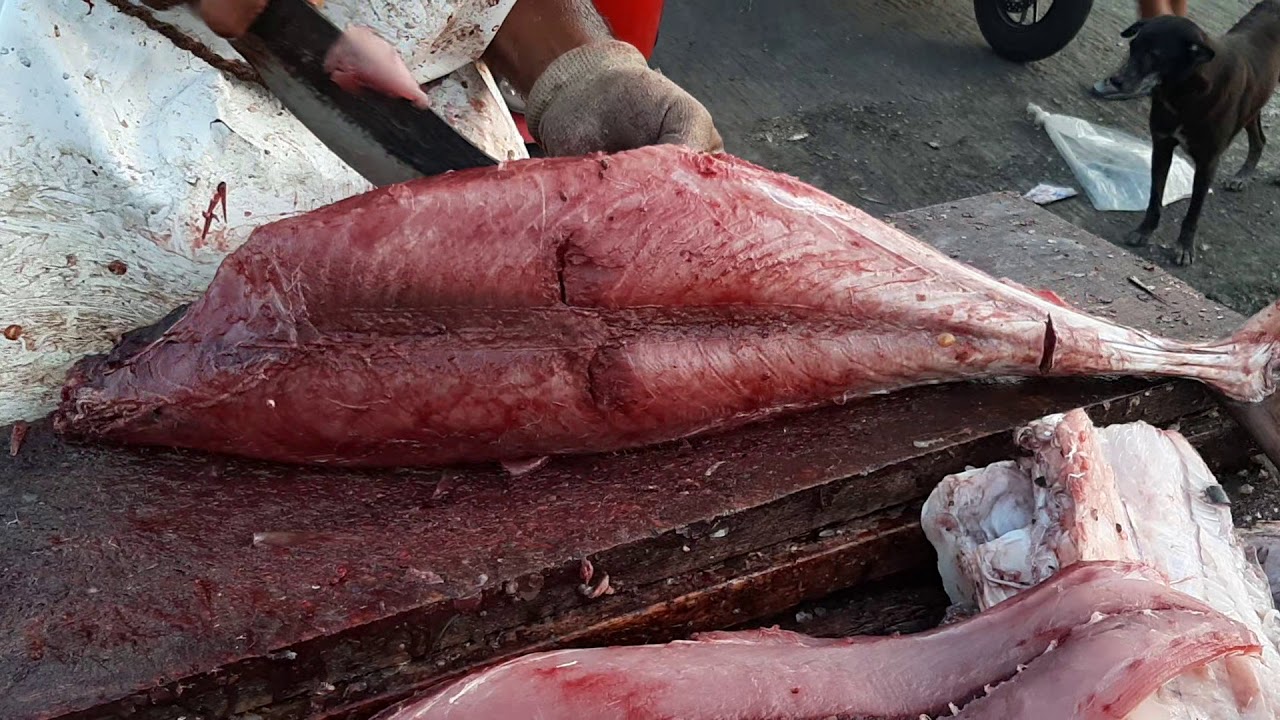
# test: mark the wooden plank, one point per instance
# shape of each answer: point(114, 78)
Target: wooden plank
point(752, 586)
point(832, 569)
point(135, 585)
point(905, 603)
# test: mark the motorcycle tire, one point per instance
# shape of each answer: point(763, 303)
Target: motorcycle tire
point(1028, 43)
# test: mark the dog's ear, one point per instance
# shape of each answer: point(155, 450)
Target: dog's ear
point(1133, 29)
point(1201, 53)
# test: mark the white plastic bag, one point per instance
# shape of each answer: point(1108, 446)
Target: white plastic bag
point(1046, 194)
point(1113, 167)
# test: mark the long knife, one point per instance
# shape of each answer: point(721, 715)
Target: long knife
point(387, 140)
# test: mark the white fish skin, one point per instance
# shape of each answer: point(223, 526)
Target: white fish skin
point(1125, 492)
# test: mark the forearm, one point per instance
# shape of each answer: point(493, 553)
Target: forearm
point(536, 32)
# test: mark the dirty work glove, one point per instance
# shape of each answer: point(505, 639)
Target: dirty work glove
point(604, 96)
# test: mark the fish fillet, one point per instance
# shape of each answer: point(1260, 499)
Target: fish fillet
point(1094, 640)
point(582, 305)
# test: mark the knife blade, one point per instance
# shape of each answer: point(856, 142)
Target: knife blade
point(387, 140)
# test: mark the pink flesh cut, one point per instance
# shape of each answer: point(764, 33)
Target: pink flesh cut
point(361, 60)
point(583, 305)
point(782, 675)
point(1104, 670)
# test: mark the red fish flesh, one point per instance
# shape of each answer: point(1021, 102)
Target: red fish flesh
point(1089, 644)
point(578, 305)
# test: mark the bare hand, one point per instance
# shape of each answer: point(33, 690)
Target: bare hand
point(231, 18)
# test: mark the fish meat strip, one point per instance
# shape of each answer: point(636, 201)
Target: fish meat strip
point(1133, 630)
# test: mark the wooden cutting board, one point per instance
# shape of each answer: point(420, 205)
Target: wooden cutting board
point(172, 585)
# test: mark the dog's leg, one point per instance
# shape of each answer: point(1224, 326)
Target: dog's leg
point(1161, 159)
point(1186, 251)
point(1257, 141)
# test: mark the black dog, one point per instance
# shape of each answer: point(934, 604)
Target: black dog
point(1207, 91)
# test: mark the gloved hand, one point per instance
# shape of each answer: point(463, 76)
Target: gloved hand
point(604, 96)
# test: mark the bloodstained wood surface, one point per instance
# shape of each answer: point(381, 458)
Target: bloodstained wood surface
point(132, 582)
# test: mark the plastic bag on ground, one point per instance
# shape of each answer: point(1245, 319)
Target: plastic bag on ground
point(1113, 167)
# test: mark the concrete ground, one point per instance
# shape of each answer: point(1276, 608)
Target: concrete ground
point(897, 104)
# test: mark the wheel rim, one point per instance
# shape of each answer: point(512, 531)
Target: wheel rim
point(1022, 14)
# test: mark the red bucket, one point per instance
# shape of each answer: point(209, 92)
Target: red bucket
point(633, 21)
